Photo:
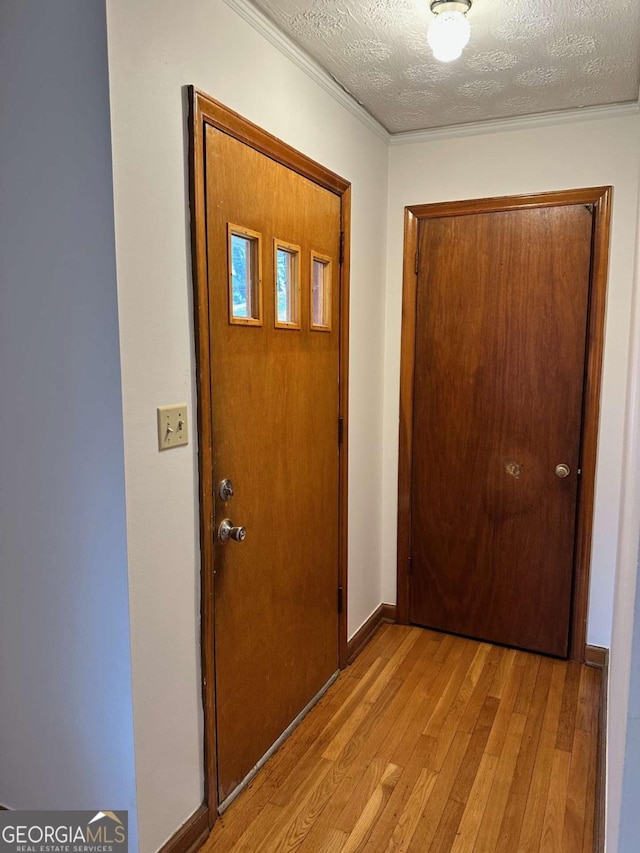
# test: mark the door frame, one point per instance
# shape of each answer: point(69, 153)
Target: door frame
point(205, 111)
point(599, 198)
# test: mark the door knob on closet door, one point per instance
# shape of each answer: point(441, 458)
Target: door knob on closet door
point(562, 470)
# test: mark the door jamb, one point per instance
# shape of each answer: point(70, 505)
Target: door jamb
point(204, 111)
point(600, 198)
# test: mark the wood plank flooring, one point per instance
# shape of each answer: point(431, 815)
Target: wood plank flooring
point(431, 743)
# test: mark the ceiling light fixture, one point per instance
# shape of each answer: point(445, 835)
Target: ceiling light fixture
point(449, 32)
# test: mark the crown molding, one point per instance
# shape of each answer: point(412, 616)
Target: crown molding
point(501, 125)
point(282, 42)
point(265, 26)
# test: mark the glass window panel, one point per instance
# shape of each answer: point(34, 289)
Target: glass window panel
point(245, 301)
point(240, 275)
point(320, 292)
point(287, 285)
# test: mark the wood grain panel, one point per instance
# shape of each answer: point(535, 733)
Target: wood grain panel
point(499, 364)
point(597, 199)
point(205, 113)
point(275, 409)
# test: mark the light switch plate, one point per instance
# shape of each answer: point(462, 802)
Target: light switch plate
point(173, 426)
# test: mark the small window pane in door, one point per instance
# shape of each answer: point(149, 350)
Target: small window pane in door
point(287, 290)
point(245, 276)
point(320, 292)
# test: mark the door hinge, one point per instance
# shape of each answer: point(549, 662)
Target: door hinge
point(409, 565)
point(341, 248)
point(415, 269)
point(340, 599)
point(340, 430)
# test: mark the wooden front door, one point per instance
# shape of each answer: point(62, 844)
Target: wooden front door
point(500, 341)
point(273, 270)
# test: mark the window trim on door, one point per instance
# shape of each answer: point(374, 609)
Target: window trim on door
point(205, 111)
point(254, 238)
point(599, 198)
point(295, 291)
point(327, 295)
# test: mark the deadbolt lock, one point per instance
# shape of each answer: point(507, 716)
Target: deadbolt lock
point(562, 470)
point(225, 490)
point(227, 531)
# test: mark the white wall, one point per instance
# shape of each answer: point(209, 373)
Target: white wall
point(589, 153)
point(623, 834)
point(624, 703)
point(66, 728)
point(155, 48)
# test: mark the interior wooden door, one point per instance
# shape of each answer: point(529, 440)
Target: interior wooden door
point(273, 241)
point(501, 326)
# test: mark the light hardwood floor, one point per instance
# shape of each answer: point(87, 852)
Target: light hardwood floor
point(432, 743)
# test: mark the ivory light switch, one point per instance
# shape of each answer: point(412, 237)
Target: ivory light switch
point(173, 426)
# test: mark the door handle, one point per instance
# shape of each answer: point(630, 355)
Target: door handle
point(227, 531)
point(562, 470)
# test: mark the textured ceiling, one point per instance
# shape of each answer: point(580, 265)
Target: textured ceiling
point(524, 57)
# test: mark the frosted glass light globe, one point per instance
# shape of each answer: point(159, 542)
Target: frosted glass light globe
point(448, 35)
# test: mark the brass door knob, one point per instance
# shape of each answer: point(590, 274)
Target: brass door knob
point(562, 470)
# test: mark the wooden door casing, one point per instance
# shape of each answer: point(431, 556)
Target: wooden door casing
point(205, 113)
point(599, 199)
